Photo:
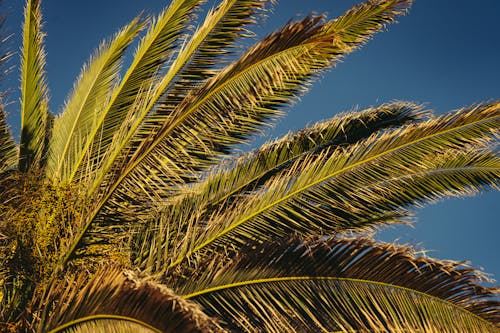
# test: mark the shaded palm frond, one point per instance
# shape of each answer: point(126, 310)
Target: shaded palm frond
point(111, 297)
point(155, 48)
point(8, 148)
point(93, 89)
point(35, 118)
point(343, 285)
point(318, 199)
point(248, 93)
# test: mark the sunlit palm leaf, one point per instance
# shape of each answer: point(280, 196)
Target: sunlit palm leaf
point(154, 50)
point(35, 119)
point(360, 207)
point(220, 20)
point(232, 105)
point(215, 50)
point(319, 198)
point(71, 132)
point(243, 97)
point(343, 285)
point(8, 148)
point(252, 171)
point(111, 295)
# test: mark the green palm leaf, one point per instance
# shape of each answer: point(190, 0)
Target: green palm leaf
point(236, 102)
point(215, 50)
point(269, 75)
point(318, 199)
point(348, 285)
point(8, 148)
point(223, 20)
point(154, 50)
point(252, 171)
point(92, 91)
point(358, 209)
point(112, 297)
point(35, 118)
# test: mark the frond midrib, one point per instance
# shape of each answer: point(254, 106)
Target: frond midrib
point(245, 283)
point(75, 322)
point(24, 70)
point(321, 180)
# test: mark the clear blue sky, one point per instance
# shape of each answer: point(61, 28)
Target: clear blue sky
point(445, 53)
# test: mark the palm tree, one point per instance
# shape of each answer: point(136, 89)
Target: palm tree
point(122, 213)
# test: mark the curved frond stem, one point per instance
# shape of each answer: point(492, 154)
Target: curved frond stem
point(78, 321)
point(478, 123)
point(242, 284)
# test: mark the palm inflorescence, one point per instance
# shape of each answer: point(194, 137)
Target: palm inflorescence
point(123, 213)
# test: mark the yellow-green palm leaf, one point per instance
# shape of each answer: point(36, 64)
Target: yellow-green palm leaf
point(83, 109)
point(35, 117)
point(342, 285)
point(348, 188)
point(155, 48)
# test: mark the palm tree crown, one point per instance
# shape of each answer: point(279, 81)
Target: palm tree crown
point(123, 214)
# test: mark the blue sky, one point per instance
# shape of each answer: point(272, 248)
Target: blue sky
point(444, 53)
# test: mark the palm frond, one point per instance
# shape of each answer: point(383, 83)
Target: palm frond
point(112, 296)
point(215, 50)
point(234, 104)
point(357, 209)
point(192, 137)
point(318, 199)
point(93, 89)
point(216, 20)
point(153, 51)
point(35, 118)
point(253, 170)
point(343, 285)
point(8, 148)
